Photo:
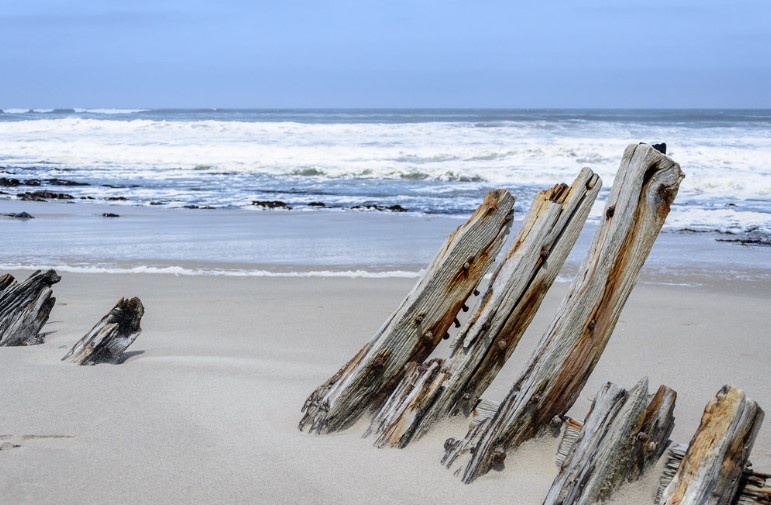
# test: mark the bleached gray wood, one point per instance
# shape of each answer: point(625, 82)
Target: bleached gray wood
point(111, 336)
point(645, 186)
point(25, 308)
point(711, 469)
point(417, 326)
point(753, 488)
point(624, 432)
point(491, 334)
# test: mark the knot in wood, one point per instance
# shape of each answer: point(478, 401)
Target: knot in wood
point(592, 324)
point(485, 326)
point(502, 344)
point(497, 458)
point(609, 213)
point(420, 318)
point(650, 446)
point(544, 252)
point(466, 265)
point(642, 436)
point(450, 444)
point(536, 398)
point(429, 335)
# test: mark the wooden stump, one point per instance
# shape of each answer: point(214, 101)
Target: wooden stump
point(624, 432)
point(25, 307)
point(711, 469)
point(417, 326)
point(645, 186)
point(489, 337)
point(111, 336)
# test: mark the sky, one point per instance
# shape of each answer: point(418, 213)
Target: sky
point(384, 54)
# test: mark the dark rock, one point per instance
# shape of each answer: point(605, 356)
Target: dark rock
point(9, 182)
point(317, 204)
point(21, 215)
point(42, 196)
point(87, 198)
point(116, 198)
point(110, 214)
point(156, 203)
point(662, 148)
point(271, 204)
point(64, 182)
point(191, 206)
point(382, 208)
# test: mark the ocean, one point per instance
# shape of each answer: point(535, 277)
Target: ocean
point(422, 163)
point(427, 161)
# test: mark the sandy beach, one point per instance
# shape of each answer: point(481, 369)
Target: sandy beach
point(205, 408)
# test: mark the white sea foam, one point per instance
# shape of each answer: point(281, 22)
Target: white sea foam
point(445, 163)
point(177, 270)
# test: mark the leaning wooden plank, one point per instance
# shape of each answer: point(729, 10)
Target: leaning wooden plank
point(621, 429)
point(711, 469)
point(25, 307)
point(111, 336)
point(753, 488)
point(420, 322)
point(5, 281)
point(491, 334)
point(645, 186)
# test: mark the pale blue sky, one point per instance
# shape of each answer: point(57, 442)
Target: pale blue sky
point(390, 53)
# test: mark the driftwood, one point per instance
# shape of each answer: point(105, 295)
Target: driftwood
point(417, 326)
point(752, 484)
point(488, 338)
point(25, 307)
point(111, 336)
point(645, 186)
point(711, 469)
point(624, 433)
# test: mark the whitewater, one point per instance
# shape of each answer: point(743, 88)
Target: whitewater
point(426, 161)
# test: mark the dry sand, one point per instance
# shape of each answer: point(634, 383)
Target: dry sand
point(205, 409)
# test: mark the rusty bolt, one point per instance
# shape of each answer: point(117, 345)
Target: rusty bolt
point(466, 265)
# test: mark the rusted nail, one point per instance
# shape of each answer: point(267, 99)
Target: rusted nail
point(544, 252)
point(476, 292)
point(446, 336)
point(456, 323)
point(429, 335)
point(485, 326)
point(419, 319)
point(466, 265)
point(642, 436)
point(592, 324)
point(464, 308)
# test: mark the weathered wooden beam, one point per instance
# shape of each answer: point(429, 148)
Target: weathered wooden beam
point(624, 432)
point(418, 325)
point(25, 307)
point(111, 336)
point(711, 469)
point(491, 334)
point(645, 186)
point(753, 488)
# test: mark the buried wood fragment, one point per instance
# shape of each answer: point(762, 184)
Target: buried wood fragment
point(491, 334)
point(710, 471)
point(418, 324)
point(111, 336)
point(25, 307)
point(644, 188)
point(623, 434)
